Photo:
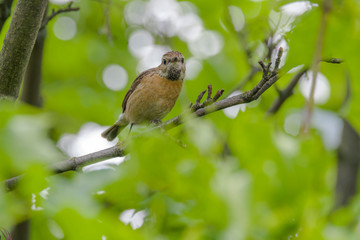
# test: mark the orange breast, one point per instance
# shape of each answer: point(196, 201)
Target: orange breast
point(152, 99)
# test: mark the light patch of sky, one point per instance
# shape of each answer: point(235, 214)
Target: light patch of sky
point(55, 229)
point(207, 45)
point(297, 8)
point(282, 22)
point(45, 193)
point(161, 16)
point(189, 27)
point(328, 124)
point(232, 112)
point(237, 17)
point(62, 2)
point(86, 141)
point(135, 219)
point(135, 12)
point(168, 18)
point(141, 43)
point(322, 87)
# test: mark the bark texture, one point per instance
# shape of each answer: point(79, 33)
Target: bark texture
point(18, 45)
point(33, 75)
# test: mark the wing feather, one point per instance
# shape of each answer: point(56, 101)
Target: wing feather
point(133, 86)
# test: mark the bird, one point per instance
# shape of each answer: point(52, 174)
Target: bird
point(152, 94)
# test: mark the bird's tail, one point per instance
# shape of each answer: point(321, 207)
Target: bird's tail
point(112, 132)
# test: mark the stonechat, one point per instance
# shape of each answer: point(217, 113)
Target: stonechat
point(152, 95)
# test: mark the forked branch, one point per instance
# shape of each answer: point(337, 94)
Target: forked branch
point(199, 109)
point(54, 13)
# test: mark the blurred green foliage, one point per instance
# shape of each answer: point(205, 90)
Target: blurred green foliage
point(242, 178)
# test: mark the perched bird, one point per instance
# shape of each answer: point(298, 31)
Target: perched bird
point(152, 95)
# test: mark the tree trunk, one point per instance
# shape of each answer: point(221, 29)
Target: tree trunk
point(18, 44)
point(33, 75)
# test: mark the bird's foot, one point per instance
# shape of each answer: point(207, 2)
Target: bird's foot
point(156, 122)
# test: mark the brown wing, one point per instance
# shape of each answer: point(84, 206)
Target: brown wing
point(133, 86)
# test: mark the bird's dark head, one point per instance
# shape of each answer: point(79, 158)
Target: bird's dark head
point(172, 66)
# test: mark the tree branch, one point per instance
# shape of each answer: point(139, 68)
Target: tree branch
point(18, 45)
point(54, 13)
point(286, 93)
point(245, 80)
point(332, 60)
point(33, 74)
point(202, 109)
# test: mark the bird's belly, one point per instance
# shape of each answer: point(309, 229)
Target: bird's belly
point(152, 100)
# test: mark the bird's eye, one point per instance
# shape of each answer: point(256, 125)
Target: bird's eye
point(164, 61)
point(182, 60)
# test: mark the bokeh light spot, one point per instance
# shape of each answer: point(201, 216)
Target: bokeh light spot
point(61, 2)
point(322, 87)
point(330, 126)
point(208, 44)
point(115, 77)
point(140, 43)
point(135, 219)
point(297, 8)
point(189, 27)
point(292, 124)
point(88, 140)
point(64, 28)
point(135, 12)
point(193, 68)
point(237, 17)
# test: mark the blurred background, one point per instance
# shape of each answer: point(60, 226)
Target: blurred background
point(248, 171)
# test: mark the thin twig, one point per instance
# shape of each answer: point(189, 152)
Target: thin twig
point(54, 13)
point(315, 66)
point(209, 100)
point(106, 10)
point(333, 60)
point(245, 80)
point(288, 91)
